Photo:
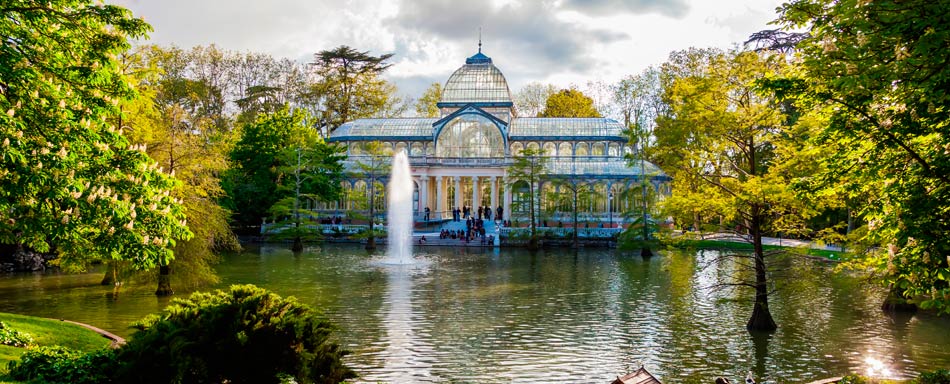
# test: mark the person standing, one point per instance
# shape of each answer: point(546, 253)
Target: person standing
point(501, 213)
point(427, 213)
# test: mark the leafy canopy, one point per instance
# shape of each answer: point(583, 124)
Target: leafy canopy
point(70, 180)
point(569, 103)
point(877, 73)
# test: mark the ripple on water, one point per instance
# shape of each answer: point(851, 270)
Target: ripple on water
point(457, 315)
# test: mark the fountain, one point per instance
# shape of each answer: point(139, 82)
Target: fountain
point(399, 192)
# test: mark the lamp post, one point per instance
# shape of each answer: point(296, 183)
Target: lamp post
point(610, 211)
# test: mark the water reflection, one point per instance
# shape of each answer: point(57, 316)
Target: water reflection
point(404, 356)
point(514, 316)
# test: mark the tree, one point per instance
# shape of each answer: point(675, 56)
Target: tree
point(639, 99)
point(569, 103)
point(313, 172)
point(253, 180)
point(426, 105)
point(529, 166)
point(71, 181)
point(350, 85)
point(530, 100)
point(166, 123)
point(737, 130)
point(372, 167)
point(576, 191)
point(878, 73)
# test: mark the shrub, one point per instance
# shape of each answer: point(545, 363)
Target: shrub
point(56, 365)
point(941, 376)
point(13, 337)
point(243, 335)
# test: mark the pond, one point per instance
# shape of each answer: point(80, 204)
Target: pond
point(482, 315)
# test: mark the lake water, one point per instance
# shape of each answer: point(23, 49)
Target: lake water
point(480, 315)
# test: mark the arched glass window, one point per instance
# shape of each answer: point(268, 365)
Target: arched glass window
point(549, 149)
point(415, 149)
point(597, 149)
point(533, 146)
point(356, 148)
point(470, 136)
point(519, 197)
point(564, 149)
point(580, 149)
point(516, 149)
point(401, 146)
point(614, 149)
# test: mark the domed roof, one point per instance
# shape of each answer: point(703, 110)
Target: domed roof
point(478, 81)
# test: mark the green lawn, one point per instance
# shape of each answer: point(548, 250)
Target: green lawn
point(743, 246)
point(47, 332)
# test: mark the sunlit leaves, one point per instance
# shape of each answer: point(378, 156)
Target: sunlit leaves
point(71, 182)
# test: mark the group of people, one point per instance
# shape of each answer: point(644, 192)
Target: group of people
point(468, 235)
point(483, 213)
point(335, 220)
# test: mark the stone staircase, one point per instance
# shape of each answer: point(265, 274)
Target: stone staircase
point(432, 236)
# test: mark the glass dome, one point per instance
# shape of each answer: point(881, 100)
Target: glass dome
point(478, 81)
point(470, 136)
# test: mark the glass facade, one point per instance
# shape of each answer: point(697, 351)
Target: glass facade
point(476, 83)
point(470, 136)
point(559, 127)
point(462, 157)
point(383, 129)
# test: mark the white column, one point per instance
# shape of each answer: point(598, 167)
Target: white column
point(439, 200)
point(424, 195)
point(458, 192)
point(507, 200)
point(475, 201)
point(494, 195)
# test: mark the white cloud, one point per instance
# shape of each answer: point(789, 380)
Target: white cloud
point(560, 41)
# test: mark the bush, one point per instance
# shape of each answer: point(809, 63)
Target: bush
point(13, 337)
point(56, 365)
point(243, 335)
point(941, 376)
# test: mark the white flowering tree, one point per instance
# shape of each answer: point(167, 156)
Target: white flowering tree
point(70, 182)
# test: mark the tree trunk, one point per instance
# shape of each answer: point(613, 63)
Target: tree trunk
point(298, 245)
point(371, 241)
point(164, 281)
point(896, 303)
point(576, 242)
point(533, 242)
point(110, 277)
point(761, 319)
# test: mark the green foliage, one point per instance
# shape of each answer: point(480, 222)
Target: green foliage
point(350, 86)
point(55, 365)
point(529, 166)
point(242, 335)
point(375, 164)
point(426, 105)
point(569, 103)
point(180, 122)
point(940, 376)
point(14, 338)
point(875, 73)
point(314, 173)
point(258, 161)
point(71, 181)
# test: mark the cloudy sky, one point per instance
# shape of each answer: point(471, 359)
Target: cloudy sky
point(562, 42)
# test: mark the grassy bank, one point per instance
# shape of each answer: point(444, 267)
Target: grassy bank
point(47, 332)
point(743, 246)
